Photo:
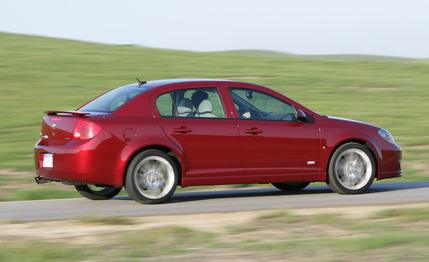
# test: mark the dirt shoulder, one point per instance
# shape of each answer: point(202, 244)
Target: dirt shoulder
point(89, 229)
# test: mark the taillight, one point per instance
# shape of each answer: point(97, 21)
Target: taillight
point(85, 130)
point(55, 119)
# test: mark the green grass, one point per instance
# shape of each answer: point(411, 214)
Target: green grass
point(165, 241)
point(405, 215)
point(39, 74)
point(328, 236)
point(106, 220)
point(39, 193)
point(41, 252)
point(272, 236)
point(280, 217)
point(337, 246)
point(380, 240)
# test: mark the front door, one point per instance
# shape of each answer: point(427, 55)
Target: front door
point(273, 143)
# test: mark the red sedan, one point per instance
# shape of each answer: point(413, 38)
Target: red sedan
point(150, 137)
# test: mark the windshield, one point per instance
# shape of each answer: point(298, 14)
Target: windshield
point(112, 100)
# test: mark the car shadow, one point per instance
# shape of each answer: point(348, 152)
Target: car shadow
point(384, 187)
point(263, 192)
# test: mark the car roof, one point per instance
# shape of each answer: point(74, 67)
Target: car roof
point(152, 84)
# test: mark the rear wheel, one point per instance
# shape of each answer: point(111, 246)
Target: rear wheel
point(352, 169)
point(97, 193)
point(152, 177)
point(292, 186)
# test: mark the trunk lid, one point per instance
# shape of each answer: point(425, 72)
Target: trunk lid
point(58, 126)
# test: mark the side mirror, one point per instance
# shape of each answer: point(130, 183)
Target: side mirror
point(301, 116)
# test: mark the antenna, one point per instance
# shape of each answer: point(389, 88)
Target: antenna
point(141, 82)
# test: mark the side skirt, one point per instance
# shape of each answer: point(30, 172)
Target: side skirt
point(251, 179)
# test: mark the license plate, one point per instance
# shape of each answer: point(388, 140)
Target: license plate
point(48, 160)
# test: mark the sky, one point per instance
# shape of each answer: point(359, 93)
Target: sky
point(374, 27)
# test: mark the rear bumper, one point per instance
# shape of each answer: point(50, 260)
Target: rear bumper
point(81, 163)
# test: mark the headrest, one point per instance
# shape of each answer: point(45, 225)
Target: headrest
point(198, 96)
point(185, 106)
point(205, 106)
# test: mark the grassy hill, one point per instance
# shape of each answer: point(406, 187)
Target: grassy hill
point(37, 74)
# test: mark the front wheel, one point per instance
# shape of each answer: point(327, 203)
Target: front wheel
point(292, 186)
point(352, 169)
point(97, 193)
point(152, 177)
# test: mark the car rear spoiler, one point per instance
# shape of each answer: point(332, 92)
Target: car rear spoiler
point(66, 113)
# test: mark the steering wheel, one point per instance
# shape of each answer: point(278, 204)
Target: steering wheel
point(255, 114)
point(289, 117)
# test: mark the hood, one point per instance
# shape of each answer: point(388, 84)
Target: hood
point(351, 121)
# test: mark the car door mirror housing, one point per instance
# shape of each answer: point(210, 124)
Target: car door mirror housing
point(301, 116)
point(249, 95)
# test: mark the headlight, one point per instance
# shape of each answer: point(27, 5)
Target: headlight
point(386, 135)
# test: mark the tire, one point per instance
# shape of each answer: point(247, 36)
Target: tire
point(152, 177)
point(352, 169)
point(293, 186)
point(97, 193)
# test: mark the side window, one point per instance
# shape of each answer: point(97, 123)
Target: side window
point(200, 102)
point(164, 103)
point(252, 104)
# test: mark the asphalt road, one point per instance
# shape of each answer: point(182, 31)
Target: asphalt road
point(214, 201)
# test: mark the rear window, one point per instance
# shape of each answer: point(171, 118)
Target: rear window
point(112, 100)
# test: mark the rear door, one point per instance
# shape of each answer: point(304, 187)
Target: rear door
point(196, 120)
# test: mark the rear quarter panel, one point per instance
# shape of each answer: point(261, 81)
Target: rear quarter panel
point(136, 126)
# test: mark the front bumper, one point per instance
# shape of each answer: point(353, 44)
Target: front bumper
point(391, 163)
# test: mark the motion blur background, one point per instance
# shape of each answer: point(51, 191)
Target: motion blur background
point(366, 60)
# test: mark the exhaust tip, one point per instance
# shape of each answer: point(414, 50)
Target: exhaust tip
point(41, 180)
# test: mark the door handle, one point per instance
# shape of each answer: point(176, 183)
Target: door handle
point(182, 130)
point(253, 131)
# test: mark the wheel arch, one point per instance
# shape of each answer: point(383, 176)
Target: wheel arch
point(376, 154)
point(176, 156)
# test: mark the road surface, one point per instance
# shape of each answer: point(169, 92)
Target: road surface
point(213, 202)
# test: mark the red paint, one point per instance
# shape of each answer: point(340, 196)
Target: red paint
point(210, 151)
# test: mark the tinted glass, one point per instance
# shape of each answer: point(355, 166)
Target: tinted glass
point(252, 104)
point(164, 103)
point(201, 102)
point(112, 100)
